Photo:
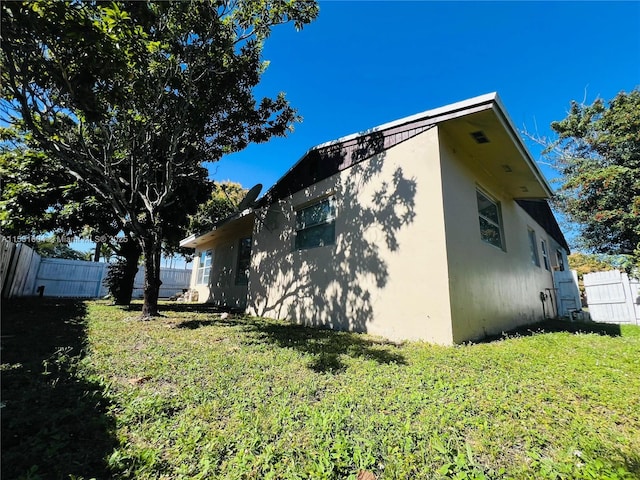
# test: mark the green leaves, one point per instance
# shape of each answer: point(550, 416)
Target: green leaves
point(598, 155)
point(132, 98)
point(224, 201)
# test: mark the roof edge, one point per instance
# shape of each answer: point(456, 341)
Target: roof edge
point(517, 139)
point(449, 111)
point(192, 240)
point(457, 108)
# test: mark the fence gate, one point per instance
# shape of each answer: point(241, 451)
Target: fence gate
point(568, 293)
point(612, 297)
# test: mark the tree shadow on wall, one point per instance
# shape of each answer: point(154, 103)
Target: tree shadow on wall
point(54, 422)
point(336, 286)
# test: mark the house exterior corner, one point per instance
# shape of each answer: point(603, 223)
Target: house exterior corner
point(500, 259)
point(434, 227)
point(382, 270)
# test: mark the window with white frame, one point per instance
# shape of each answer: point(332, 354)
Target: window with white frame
point(204, 267)
point(490, 220)
point(545, 254)
point(244, 261)
point(316, 225)
point(533, 247)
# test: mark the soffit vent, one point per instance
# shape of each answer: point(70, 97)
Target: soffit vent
point(479, 137)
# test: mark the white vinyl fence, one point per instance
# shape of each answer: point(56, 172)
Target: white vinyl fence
point(613, 297)
point(23, 272)
point(71, 278)
point(174, 280)
point(19, 270)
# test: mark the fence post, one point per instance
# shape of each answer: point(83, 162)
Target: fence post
point(6, 262)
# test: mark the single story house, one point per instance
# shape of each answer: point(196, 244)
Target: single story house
point(434, 227)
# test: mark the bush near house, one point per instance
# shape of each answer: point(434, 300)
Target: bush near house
point(90, 391)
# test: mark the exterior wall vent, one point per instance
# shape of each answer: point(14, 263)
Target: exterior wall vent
point(479, 137)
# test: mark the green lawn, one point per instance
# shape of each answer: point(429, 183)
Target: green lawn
point(90, 391)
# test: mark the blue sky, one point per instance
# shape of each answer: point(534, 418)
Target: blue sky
point(361, 64)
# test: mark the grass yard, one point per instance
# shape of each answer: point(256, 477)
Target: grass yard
point(88, 391)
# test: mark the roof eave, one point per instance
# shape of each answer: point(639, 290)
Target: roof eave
point(193, 240)
point(440, 114)
point(517, 140)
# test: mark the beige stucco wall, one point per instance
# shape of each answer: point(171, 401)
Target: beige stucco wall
point(386, 274)
point(222, 289)
point(491, 290)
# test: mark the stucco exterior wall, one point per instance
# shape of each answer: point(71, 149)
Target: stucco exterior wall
point(386, 274)
point(222, 288)
point(491, 289)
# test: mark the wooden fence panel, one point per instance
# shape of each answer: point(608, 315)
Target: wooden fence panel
point(22, 272)
point(634, 286)
point(6, 254)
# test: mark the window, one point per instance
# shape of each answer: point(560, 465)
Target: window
point(316, 225)
point(204, 267)
point(490, 221)
point(560, 260)
point(533, 246)
point(244, 261)
point(545, 255)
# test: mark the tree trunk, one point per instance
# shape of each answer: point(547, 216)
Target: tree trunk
point(96, 255)
point(152, 255)
point(131, 252)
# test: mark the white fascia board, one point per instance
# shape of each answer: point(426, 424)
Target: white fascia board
point(192, 240)
point(447, 112)
point(185, 242)
point(517, 140)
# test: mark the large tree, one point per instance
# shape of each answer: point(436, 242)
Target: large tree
point(597, 153)
point(40, 197)
point(132, 97)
